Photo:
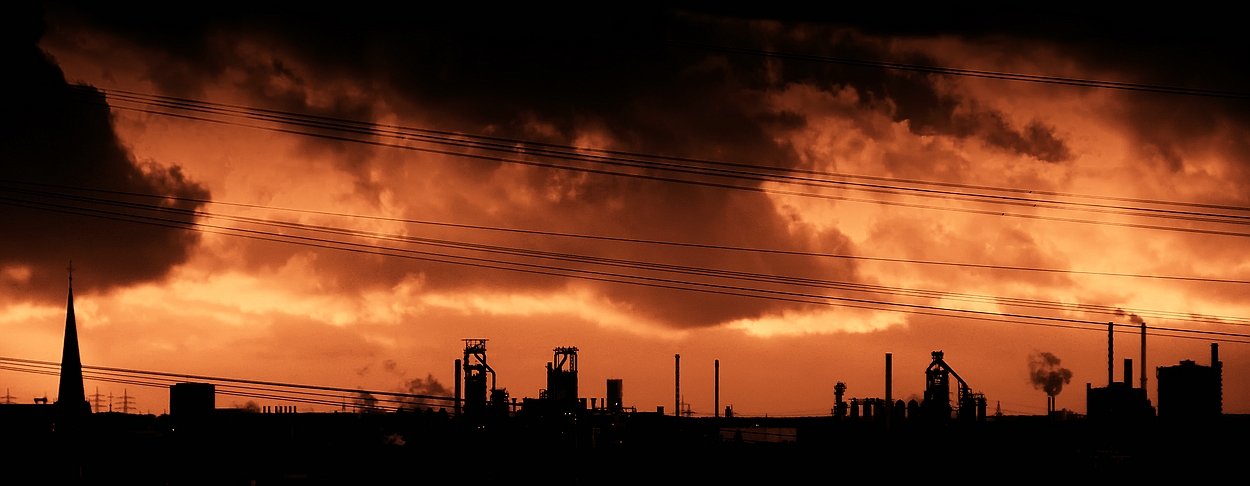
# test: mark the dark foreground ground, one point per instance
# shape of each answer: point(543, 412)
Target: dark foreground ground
point(231, 447)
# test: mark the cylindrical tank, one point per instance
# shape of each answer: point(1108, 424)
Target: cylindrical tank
point(616, 395)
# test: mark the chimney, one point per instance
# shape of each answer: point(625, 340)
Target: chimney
point(1143, 354)
point(1128, 372)
point(1110, 353)
point(677, 384)
point(889, 388)
point(457, 388)
point(1215, 355)
point(716, 406)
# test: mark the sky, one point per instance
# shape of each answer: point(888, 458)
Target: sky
point(327, 284)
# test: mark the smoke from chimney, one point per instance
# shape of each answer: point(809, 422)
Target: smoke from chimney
point(428, 386)
point(365, 402)
point(1131, 316)
point(1046, 374)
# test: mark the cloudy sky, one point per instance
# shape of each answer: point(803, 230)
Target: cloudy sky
point(338, 198)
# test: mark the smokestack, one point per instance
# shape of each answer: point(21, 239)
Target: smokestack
point(457, 388)
point(1110, 353)
point(716, 407)
point(1143, 355)
point(677, 384)
point(889, 388)
point(1215, 355)
point(1128, 372)
point(616, 394)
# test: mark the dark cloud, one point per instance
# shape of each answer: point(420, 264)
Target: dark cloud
point(551, 75)
point(543, 75)
point(58, 135)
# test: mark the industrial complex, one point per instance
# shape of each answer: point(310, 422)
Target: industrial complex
point(483, 432)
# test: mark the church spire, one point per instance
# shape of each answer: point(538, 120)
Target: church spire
point(70, 394)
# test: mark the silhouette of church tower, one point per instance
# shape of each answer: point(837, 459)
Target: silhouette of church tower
point(71, 398)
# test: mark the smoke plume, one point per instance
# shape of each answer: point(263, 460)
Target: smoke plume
point(1046, 374)
point(428, 386)
point(365, 402)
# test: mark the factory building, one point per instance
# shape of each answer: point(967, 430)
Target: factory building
point(1190, 391)
point(1119, 400)
point(192, 399)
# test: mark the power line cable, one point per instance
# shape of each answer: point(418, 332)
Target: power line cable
point(975, 73)
point(680, 269)
point(520, 145)
point(623, 239)
point(229, 386)
point(1178, 215)
point(657, 282)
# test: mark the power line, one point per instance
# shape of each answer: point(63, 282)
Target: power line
point(650, 281)
point(636, 159)
point(579, 273)
point(982, 212)
point(313, 394)
point(704, 246)
point(373, 131)
point(650, 266)
point(975, 73)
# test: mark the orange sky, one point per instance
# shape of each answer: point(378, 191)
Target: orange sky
point(212, 304)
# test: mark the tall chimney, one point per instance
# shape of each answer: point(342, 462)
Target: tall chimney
point(458, 380)
point(716, 406)
point(1219, 373)
point(1143, 354)
point(1128, 372)
point(1110, 353)
point(889, 388)
point(677, 384)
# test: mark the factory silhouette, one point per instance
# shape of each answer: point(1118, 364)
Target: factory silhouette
point(482, 433)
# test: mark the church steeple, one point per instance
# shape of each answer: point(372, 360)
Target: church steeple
point(71, 397)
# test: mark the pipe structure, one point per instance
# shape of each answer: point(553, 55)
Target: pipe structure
point(677, 384)
point(716, 406)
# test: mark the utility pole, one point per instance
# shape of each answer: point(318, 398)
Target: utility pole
point(95, 400)
point(8, 399)
point(128, 401)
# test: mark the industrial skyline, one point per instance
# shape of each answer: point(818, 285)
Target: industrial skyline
point(384, 434)
point(1195, 391)
point(779, 197)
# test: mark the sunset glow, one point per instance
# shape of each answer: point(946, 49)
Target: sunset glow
point(866, 210)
